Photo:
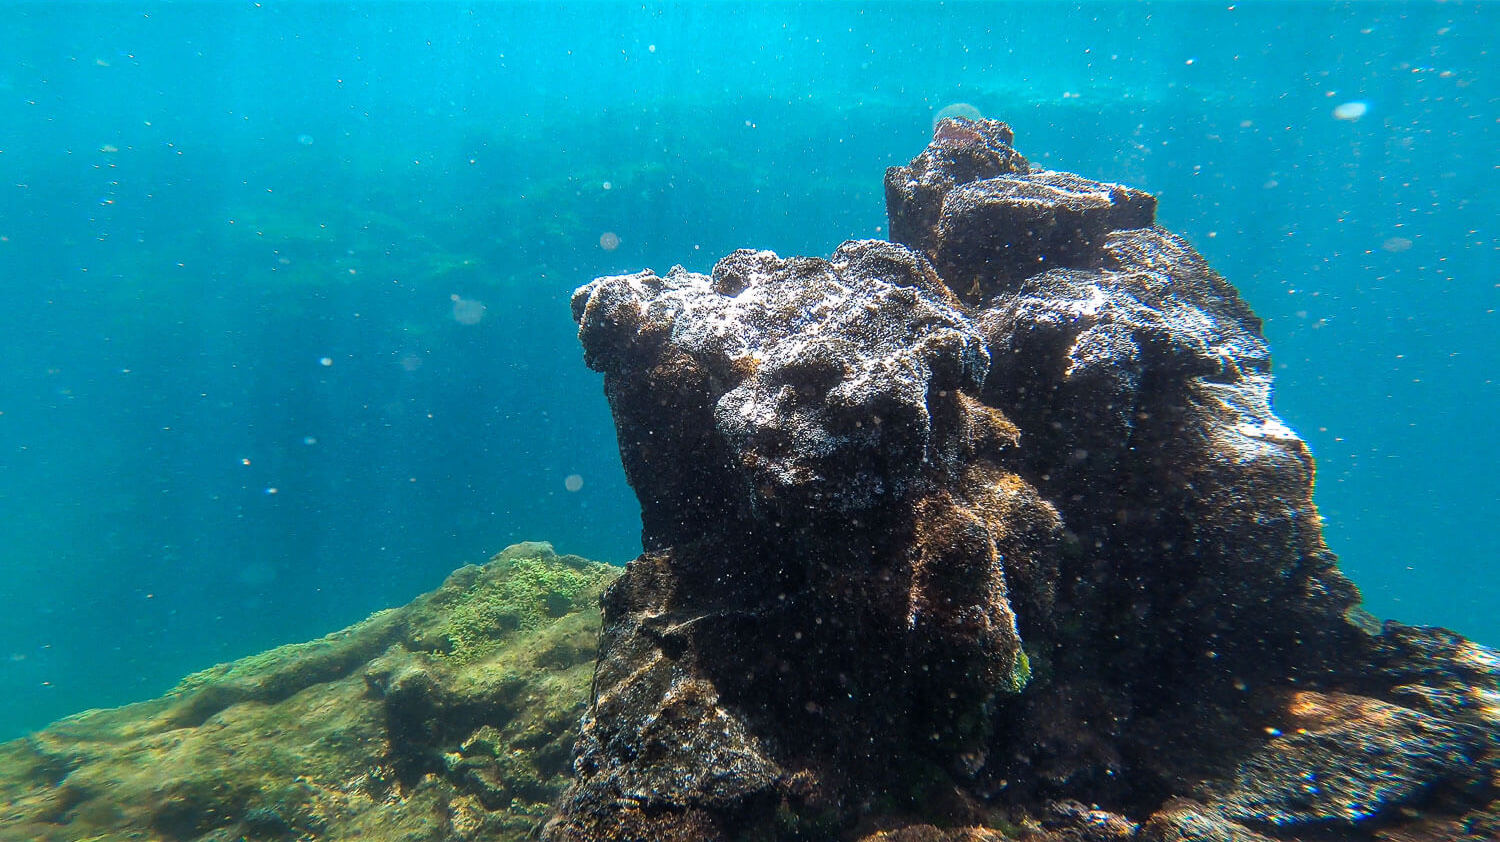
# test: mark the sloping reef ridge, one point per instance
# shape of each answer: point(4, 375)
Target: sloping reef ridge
point(991, 532)
point(449, 719)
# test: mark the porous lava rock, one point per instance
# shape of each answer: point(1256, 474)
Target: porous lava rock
point(991, 532)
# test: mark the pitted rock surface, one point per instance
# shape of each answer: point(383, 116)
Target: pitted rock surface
point(818, 372)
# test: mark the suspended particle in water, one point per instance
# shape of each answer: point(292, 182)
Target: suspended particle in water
point(1395, 245)
point(325, 361)
point(305, 139)
point(956, 109)
point(467, 311)
point(1350, 111)
point(573, 482)
point(309, 440)
point(609, 241)
point(607, 186)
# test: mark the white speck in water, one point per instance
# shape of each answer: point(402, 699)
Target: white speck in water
point(956, 109)
point(467, 311)
point(1350, 111)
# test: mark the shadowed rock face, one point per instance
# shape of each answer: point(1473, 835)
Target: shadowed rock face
point(990, 528)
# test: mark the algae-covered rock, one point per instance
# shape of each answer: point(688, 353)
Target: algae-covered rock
point(451, 718)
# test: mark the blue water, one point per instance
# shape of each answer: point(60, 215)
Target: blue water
point(283, 286)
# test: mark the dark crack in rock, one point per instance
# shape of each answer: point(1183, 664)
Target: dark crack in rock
point(991, 530)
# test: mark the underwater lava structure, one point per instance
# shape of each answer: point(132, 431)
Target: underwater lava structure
point(990, 531)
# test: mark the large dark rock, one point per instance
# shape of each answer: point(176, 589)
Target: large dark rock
point(991, 528)
point(824, 496)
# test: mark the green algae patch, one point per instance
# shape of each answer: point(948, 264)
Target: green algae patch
point(516, 593)
point(451, 718)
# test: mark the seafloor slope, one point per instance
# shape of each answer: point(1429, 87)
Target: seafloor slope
point(452, 718)
point(991, 530)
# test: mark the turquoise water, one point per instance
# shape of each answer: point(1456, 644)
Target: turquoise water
point(283, 286)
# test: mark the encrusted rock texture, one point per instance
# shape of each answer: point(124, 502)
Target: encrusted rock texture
point(450, 719)
point(991, 532)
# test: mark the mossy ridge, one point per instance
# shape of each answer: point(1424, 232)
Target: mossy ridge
point(308, 741)
point(517, 593)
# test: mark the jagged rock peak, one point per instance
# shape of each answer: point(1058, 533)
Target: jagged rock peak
point(987, 220)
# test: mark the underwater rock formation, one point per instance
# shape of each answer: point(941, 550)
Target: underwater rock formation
point(451, 718)
point(991, 532)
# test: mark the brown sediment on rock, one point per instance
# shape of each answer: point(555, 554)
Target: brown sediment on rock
point(451, 718)
point(990, 531)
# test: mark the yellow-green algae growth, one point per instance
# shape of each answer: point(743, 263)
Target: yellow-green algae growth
point(452, 718)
